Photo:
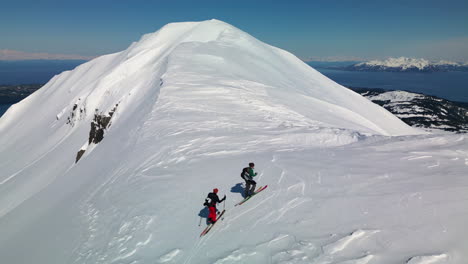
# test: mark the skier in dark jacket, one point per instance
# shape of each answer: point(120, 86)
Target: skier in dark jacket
point(211, 202)
point(248, 174)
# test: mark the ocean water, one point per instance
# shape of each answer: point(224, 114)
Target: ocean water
point(33, 71)
point(3, 108)
point(449, 85)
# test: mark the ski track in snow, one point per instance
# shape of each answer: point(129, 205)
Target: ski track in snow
point(430, 259)
point(252, 208)
point(281, 177)
point(433, 166)
point(297, 187)
point(290, 205)
point(418, 157)
point(348, 241)
point(359, 260)
point(169, 256)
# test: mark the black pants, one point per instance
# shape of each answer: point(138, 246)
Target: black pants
point(249, 187)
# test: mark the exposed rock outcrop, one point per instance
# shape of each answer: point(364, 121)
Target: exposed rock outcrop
point(100, 123)
point(77, 113)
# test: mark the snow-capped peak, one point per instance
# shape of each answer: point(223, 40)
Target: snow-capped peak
point(214, 48)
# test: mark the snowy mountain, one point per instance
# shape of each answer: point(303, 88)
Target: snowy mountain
point(111, 163)
point(403, 64)
point(419, 110)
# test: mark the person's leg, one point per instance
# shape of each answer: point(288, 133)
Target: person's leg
point(247, 188)
point(252, 188)
point(212, 214)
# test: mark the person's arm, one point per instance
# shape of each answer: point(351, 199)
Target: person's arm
point(252, 173)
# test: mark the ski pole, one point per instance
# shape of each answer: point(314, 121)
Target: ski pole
point(224, 204)
point(199, 223)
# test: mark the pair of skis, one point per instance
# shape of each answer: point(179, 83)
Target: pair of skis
point(255, 193)
point(210, 226)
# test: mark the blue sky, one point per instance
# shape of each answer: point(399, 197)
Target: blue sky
point(318, 29)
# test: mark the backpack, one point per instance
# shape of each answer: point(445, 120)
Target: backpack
point(208, 202)
point(244, 170)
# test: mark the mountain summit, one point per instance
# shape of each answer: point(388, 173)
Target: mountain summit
point(111, 162)
point(207, 55)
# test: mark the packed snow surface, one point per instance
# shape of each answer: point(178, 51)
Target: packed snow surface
point(191, 105)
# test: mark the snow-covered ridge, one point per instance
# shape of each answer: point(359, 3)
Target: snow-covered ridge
point(407, 64)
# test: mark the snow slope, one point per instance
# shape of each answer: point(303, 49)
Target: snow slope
point(192, 104)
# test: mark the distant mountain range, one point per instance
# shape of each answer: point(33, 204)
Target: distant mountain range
point(419, 110)
point(401, 64)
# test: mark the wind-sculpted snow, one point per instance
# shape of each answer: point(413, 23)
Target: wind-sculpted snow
point(348, 181)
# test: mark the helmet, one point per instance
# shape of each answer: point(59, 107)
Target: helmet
point(215, 190)
point(251, 164)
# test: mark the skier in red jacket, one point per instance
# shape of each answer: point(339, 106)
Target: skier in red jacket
point(211, 202)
